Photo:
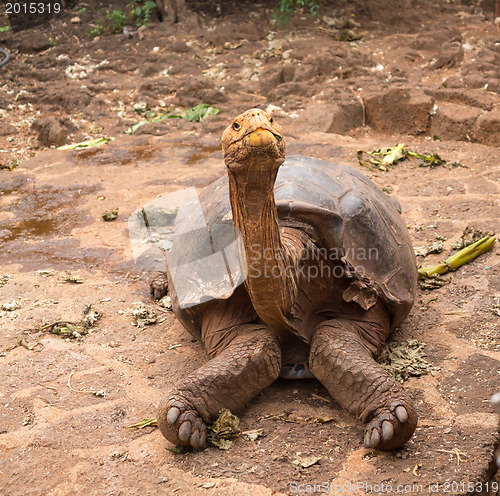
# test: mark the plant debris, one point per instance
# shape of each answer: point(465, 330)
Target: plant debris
point(433, 282)
point(435, 247)
point(4, 280)
point(165, 302)
point(110, 216)
point(253, 434)
point(66, 329)
point(460, 258)
point(86, 144)
point(91, 316)
point(195, 114)
point(144, 315)
point(292, 419)
point(149, 422)
point(29, 419)
point(69, 330)
point(404, 360)
point(385, 158)
point(496, 306)
point(44, 273)
point(224, 430)
point(469, 236)
point(306, 462)
point(101, 393)
point(10, 166)
point(74, 279)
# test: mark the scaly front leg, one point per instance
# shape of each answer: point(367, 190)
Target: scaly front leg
point(249, 364)
point(343, 364)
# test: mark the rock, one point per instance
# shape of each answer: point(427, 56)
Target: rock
point(451, 54)
point(454, 121)
point(52, 131)
point(487, 129)
point(7, 129)
point(275, 76)
point(33, 41)
point(472, 98)
point(399, 110)
point(337, 118)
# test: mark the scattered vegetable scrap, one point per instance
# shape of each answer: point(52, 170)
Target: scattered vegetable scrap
point(68, 330)
point(253, 434)
point(195, 114)
point(405, 359)
point(435, 247)
point(110, 216)
point(469, 236)
point(74, 279)
point(385, 158)
point(224, 430)
point(86, 144)
point(143, 315)
point(433, 282)
point(165, 302)
point(306, 462)
point(460, 258)
point(149, 422)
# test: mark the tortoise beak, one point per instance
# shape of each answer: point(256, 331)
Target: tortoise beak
point(260, 137)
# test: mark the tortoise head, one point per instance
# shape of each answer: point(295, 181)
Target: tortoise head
point(253, 142)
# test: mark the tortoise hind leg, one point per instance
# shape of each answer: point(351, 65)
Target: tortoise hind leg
point(341, 360)
point(247, 365)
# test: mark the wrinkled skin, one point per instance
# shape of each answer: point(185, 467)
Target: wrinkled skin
point(259, 330)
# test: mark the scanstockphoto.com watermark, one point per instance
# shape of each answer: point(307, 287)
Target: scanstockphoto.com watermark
point(206, 257)
point(361, 487)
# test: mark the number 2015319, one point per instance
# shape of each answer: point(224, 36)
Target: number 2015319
point(32, 8)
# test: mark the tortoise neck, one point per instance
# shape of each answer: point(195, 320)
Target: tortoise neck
point(270, 281)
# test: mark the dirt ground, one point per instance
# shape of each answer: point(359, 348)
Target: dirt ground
point(369, 74)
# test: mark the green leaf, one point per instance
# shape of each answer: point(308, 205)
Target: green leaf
point(199, 113)
point(132, 129)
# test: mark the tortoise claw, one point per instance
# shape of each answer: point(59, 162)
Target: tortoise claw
point(401, 414)
point(390, 427)
point(181, 424)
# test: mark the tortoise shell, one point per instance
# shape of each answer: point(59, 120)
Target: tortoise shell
point(348, 218)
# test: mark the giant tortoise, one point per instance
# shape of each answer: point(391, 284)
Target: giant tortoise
point(330, 272)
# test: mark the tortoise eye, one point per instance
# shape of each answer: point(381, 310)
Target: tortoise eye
point(271, 120)
point(236, 126)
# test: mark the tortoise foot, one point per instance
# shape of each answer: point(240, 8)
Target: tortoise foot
point(159, 285)
point(391, 426)
point(181, 424)
point(296, 371)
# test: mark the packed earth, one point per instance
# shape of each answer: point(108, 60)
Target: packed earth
point(86, 353)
